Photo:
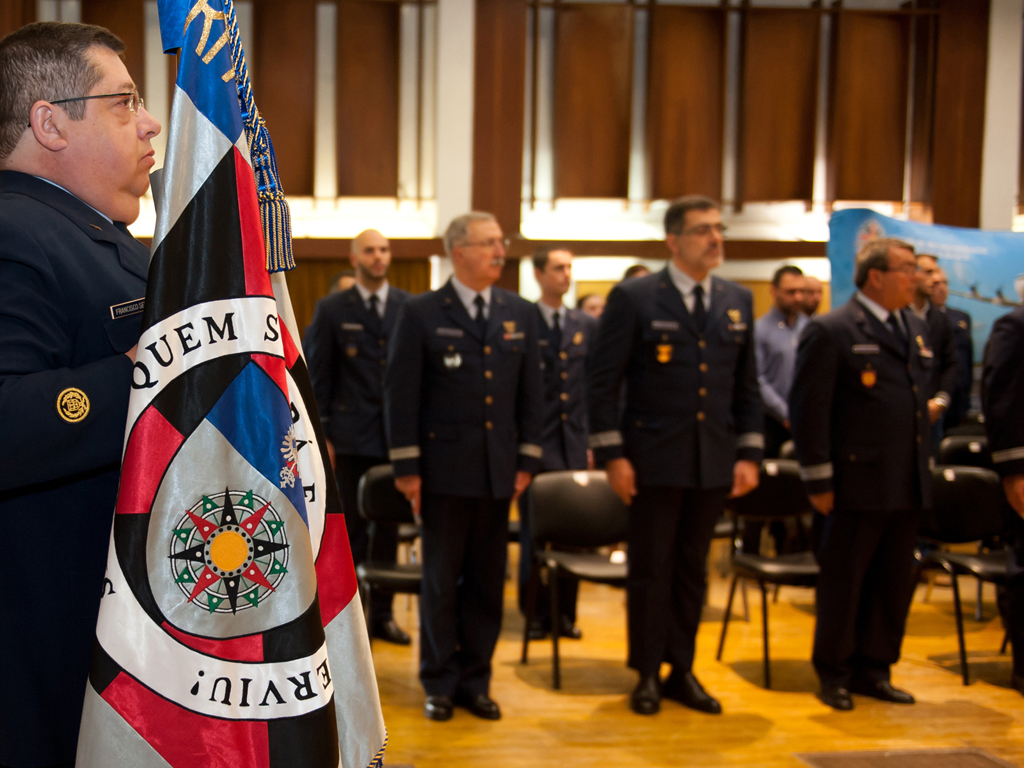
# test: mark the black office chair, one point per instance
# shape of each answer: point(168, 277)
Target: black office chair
point(575, 510)
point(965, 451)
point(382, 504)
point(779, 495)
point(967, 505)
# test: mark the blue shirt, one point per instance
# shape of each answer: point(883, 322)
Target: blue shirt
point(775, 343)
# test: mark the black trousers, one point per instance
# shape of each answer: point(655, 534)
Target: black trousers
point(1012, 602)
point(864, 593)
point(465, 544)
point(670, 531)
point(568, 588)
point(368, 540)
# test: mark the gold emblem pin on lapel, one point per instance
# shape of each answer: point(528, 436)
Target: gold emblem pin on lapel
point(664, 353)
point(510, 326)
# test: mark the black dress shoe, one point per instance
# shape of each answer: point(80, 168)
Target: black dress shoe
point(570, 630)
point(688, 691)
point(836, 697)
point(438, 708)
point(1017, 683)
point(390, 632)
point(481, 705)
point(646, 697)
point(881, 689)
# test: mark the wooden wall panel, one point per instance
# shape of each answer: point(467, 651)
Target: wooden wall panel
point(593, 91)
point(283, 74)
point(960, 112)
point(922, 129)
point(367, 98)
point(868, 116)
point(779, 101)
point(685, 101)
point(498, 110)
point(127, 20)
point(15, 14)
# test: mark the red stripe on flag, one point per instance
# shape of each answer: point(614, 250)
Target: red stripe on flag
point(237, 649)
point(151, 447)
point(274, 368)
point(185, 739)
point(254, 253)
point(291, 352)
point(335, 573)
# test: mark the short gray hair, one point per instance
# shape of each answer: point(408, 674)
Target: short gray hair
point(875, 255)
point(47, 61)
point(458, 230)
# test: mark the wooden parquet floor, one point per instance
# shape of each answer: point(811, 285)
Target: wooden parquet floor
point(588, 722)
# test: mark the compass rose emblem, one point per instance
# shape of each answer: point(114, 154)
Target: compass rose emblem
point(229, 545)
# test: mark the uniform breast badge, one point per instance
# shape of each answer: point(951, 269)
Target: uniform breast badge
point(72, 405)
point(868, 378)
point(735, 315)
point(664, 353)
point(452, 361)
point(923, 350)
point(577, 338)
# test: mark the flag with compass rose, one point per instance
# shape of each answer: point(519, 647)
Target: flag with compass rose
point(230, 632)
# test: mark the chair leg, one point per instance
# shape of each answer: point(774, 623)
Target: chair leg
point(977, 605)
point(775, 594)
point(1006, 640)
point(725, 619)
point(960, 628)
point(556, 625)
point(531, 605)
point(764, 635)
point(746, 606)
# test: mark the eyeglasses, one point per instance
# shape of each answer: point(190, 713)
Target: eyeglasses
point(492, 242)
point(706, 229)
point(907, 269)
point(133, 100)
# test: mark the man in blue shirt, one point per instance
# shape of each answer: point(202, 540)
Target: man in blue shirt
point(776, 335)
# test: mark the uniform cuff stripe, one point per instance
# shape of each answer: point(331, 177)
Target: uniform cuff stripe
point(750, 440)
point(944, 398)
point(401, 454)
point(606, 439)
point(1010, 454)
point(531, 450)
point(816, 472)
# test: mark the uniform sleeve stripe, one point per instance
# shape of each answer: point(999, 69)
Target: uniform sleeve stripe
point(944, 398)
point(606, 439)
point(1010, 454)
point(816, 472)
point(408, 452)
point(529, 449)
point(750, 440)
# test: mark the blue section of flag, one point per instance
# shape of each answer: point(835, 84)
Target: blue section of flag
point(204, 81)
point(172, 23)
point(254, 416)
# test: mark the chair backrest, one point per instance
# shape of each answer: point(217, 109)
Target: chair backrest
point(378, 498)
point(576, 509)
point(965, 451)
point(967, 505)
point(780, 493)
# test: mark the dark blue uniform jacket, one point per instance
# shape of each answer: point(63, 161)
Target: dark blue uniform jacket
point(347, 351)
point(692, 403)
point(464, 412)
point(859, 411)
point(69, 281)
point(964, 346)
point(1003, 393)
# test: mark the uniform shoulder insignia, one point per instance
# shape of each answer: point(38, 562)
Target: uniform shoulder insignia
point(96, 227)
point(72, 405)
point(962, 324)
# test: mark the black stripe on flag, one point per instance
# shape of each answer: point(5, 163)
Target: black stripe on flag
point(309, 740)
point(297, 639)
point(130, 535)
point(104, 669)
point(200, 259)
point(186, 400)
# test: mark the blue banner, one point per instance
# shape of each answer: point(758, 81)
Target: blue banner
point(985, 269)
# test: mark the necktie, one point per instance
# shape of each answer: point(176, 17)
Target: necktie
point(700, 316)
point(556, 331)
point(481, 319)
point(374, 324)
point(901, 338)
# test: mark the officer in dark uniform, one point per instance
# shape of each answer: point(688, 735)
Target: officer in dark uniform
point(72, 292)
point(347, 348)
point(565, 338)
point(963, 343)
point(691, 434)
point(860, 422)
point(940, 333)
point(1003, 405)
point(464, 403)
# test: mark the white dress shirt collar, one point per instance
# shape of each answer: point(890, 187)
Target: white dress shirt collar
point(549, 312)
point(878, 310)
point(381, 294)
point(468, 296)
point(686, 284)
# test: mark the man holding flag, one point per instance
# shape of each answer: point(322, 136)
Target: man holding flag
point(75, 157)
point(230, 618)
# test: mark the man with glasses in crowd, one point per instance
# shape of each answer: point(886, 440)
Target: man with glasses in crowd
point(689, 437)
point(75, 157)
point(464, 404)
point(860, 422)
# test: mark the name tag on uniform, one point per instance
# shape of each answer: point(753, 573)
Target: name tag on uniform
point(866, 349)
point(925, 352)
point(514, 336)
point(132, 307)
point(664, 325)
point(543, 342)
point(451, 333)
point(351, 326)
point(737, 327)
